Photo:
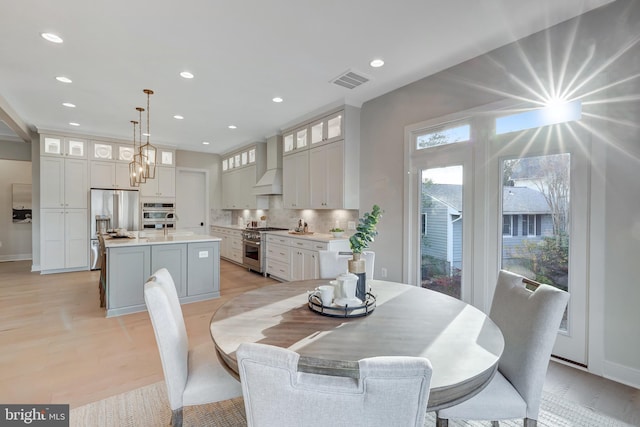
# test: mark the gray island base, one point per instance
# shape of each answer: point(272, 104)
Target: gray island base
point(193, 261)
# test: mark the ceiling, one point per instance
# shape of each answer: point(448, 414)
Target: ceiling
point(242, 53)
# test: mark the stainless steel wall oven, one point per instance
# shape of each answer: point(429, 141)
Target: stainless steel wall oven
point(158, 215)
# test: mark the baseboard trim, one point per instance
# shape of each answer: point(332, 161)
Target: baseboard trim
point(622, 374)
point(18, 257)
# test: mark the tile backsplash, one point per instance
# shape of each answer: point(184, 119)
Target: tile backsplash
point(319, 221)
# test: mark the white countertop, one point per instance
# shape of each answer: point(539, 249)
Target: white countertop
point(318, 237)
point(143, 238)
point(230, 226)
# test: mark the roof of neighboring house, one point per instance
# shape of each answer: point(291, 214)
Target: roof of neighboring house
point(523, 200)
point(448, 194)
point(516, 200)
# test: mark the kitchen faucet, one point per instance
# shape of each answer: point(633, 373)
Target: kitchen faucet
point(167, 217)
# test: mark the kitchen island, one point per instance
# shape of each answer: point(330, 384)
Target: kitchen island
point(193, 261)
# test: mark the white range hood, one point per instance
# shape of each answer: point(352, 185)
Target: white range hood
point(271, 182)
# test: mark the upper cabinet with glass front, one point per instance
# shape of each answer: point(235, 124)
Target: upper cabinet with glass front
point(327, 129)
point(166, 157)
point(245, 157)
point(63, 146)
point(103, 150)
point(296, 140)
point(323, 130)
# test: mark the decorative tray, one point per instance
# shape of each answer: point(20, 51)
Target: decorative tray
point(365, 309)
point(300, 232)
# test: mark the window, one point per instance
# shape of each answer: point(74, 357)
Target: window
point(555, 113)
point(423, 225)
point(531, 225)
point(508, 223)
point(444, 136)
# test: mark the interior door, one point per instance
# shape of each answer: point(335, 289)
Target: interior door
point(192, 200)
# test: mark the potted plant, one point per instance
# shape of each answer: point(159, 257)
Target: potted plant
point(359, 241)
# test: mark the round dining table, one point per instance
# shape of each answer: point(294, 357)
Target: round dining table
point(462, 343)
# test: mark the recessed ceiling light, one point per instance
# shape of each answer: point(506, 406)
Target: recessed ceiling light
point(233, 127)
point(178, 117)
point(74, 124)
point(205, 143)
point(376, 63)
point(68, 104)
point(63, 79)
point(277, 99)
point(186, 75)
point(53, 38)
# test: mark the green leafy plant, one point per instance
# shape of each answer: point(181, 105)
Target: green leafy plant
point(365, 231)
point(336, 230)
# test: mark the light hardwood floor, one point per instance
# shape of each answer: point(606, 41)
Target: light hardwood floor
point(57, 346)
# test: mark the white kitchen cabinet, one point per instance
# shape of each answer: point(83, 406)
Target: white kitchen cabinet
point(231, 244)
point(296, 140)
point(327, 129)
point(296, 257)
point(63, 182)
point(64, 189)
point(52, 145)
point(163, 185)
point(166, 157)
point(304, 264)
point(326, 176)
point(109, 165)
point(237, 189)
point(295, 177)
point(103, 150)
point(332, 172)
point(278, 257)
point(64, 240)
point(105, 174)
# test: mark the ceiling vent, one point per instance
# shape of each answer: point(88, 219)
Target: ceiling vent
point(350, 79)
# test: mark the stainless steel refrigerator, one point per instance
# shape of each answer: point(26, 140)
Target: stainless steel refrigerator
point(111, 209)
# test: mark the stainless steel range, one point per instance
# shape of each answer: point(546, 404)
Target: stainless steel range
point(254, 247)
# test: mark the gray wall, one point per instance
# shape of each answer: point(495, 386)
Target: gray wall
point(15, 167)
point(12, 150)
point(601, 38)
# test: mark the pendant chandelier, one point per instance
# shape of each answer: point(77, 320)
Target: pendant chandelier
point(143, 165)
point(136, 168)
point(147, 150)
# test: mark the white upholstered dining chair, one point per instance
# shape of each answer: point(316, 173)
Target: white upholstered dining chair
point(192, 376)
point(390, 391)
point(529, 321)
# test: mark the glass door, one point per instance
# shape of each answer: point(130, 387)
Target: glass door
point(441, 226)
point(543, 220)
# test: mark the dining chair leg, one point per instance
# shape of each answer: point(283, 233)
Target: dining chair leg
point(440, 422)
point(176, 417)
point(495, 423)
point(528, 422)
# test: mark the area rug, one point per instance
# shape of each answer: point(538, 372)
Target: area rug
point(148, 406)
